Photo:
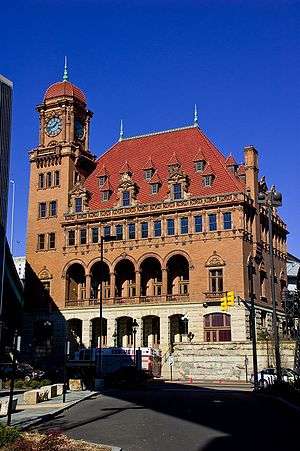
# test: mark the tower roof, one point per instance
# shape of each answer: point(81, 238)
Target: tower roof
point(64, 89)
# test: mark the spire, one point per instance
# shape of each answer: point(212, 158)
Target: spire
point(121, 131)
point(66, 75)
point(195, 116)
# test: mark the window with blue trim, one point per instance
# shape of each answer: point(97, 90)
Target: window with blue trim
point(154, 188)
point(198, 223)
point(170, 227)
point(227, 222)
point(126, 199)
point(106, 230)
point(184, 226)
point(177, 191)
point(131, 231)
point(212, 218)
point(78, 204)
point(95, 235)
point(144, 229)
point(119, 232)
point(157, 228)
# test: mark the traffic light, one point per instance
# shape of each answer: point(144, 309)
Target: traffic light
point(230, 297)
point(224, 306)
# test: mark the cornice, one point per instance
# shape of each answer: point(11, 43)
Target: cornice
point(160, 207)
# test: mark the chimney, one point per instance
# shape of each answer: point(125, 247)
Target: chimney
point(251, 171)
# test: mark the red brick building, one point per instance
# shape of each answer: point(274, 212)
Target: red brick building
point(185, 218)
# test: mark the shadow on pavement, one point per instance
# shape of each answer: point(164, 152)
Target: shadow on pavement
point(242, 420)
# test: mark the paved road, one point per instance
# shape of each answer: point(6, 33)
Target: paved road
point(175, 417)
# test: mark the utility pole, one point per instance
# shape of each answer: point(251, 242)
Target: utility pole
point(271, 199)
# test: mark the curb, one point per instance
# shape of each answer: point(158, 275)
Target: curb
point(48, 416)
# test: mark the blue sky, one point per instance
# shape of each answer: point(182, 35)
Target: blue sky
point(148, 62)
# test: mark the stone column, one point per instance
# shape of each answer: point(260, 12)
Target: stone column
point(110, 330)
point(139, 331)
point(164, 278)
point(112, 285)
point(138, 283)
point(88, 278)
point(86, 332)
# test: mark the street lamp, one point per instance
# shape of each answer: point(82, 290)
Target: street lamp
point(66, 358)
point(271, 199)
point(98, 381)
point(12, 216)
point(134, 331)
point(115, 335)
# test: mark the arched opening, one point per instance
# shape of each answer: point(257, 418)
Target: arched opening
point(178, 275)
point(217, 327)
point(125, 279)
point(95, 326)
point(124, 331)
point(151, 331)
point(100, 272)
point(74, 333)
point(75, 282)
point(178, 327)
point(151, 277)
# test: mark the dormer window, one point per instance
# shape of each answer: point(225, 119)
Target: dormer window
point(126, 199)
point(208, 180)
point(177, 191)
point(102, 180)
point(199, 165)
point(148, 174)
point(154, 188)
point(173, 168)
point(105, 196)
point(78, 204)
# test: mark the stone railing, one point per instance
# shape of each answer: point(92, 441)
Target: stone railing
point(169, 298)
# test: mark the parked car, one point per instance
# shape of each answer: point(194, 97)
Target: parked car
point(268, 376)
point(23, 371)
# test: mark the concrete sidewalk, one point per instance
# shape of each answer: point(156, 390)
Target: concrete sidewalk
point(27, 416)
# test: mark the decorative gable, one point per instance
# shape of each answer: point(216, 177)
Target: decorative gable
point(215, 260)
point(128, 186)
point(79, 195)
point(174, 164)
point(231, 164)
point(208, 176)
point(199, 161)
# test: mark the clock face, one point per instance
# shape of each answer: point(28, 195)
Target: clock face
point(79, 129)
point(53, 126)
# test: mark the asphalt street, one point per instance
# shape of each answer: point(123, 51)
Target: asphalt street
point(176, 417)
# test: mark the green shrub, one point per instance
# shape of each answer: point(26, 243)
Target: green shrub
point(45, 382)
point(34, 384)
point(8, 434)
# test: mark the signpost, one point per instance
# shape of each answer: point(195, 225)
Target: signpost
point(171, 363)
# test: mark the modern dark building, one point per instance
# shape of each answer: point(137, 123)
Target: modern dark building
point(11, 290)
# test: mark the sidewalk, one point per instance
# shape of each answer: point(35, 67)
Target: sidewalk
point(27, 416)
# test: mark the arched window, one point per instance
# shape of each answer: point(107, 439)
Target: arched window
point(217, 327)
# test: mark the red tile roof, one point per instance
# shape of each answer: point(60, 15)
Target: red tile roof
point(125, 168)
point(174, 160)
point(155, 178)
point(149, 164)
point(230, 161)
point(161, 147)
point(64, 89)
point(199, 155)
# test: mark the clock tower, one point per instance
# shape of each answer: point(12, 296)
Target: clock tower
point(59, 166)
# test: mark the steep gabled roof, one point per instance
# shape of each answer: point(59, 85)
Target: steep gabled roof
point(199, 155)
point(125, 168)
point(149, 164)
point(230, 161)
point(184, 143)
point(155, 178)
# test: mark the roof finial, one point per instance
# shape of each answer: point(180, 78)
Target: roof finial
point(121, 131)
point(195, 116)
point(66, 75)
